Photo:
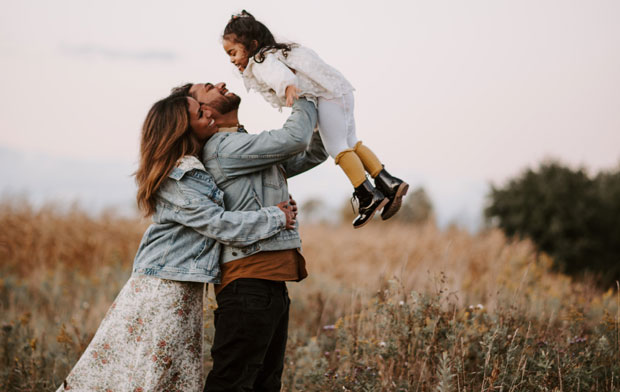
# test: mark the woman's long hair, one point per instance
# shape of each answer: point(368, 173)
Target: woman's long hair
point(244, 29)
point(166, 136)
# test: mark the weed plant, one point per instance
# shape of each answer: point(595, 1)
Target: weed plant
point(387, 308)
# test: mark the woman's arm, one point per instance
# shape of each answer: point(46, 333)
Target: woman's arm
point(236, 228)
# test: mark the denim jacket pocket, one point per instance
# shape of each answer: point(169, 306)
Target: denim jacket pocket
point(273, 178)
point(208, 257)
point(257, 199)
point(233, 252)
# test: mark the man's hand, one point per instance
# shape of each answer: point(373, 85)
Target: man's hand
point(291, 213)
point(292, 93)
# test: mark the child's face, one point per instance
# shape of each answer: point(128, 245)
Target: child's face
point(237, 53)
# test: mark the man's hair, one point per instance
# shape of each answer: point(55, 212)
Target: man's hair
point(181, 91)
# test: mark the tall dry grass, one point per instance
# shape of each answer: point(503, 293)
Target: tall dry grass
point(385, 308)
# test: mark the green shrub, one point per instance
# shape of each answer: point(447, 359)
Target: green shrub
point(567, 214)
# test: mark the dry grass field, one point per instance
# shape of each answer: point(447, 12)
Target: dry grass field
point(386, 308)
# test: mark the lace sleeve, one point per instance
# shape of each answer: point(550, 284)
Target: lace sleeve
point(275, 74)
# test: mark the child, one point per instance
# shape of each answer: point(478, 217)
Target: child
point(283, 72)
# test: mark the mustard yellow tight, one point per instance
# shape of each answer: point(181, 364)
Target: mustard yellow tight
point(356, 161)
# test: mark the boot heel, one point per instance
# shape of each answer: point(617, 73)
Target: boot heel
point(394, 189)
point(397, 203)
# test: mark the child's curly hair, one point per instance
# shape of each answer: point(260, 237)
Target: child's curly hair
point(244, 29)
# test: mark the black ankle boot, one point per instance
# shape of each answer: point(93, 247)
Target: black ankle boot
point(394, 189)
point(370, 201)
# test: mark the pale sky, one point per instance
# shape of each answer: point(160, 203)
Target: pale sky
point(450, 94)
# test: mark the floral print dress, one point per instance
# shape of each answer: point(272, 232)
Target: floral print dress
point(150, 340)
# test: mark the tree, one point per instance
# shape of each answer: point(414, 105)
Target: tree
point(313, 210)
point(417, 207)
point(567, 214)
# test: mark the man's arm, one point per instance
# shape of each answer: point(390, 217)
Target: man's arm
point(314, 155)
point(238, 154)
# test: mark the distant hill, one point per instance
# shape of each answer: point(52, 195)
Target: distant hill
point(99, 184)
point(41, 178)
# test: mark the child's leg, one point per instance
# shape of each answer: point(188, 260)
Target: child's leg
point(335, 126)
point(352, 166)
point(392, 187)
point(337, 129)
point(371, 163)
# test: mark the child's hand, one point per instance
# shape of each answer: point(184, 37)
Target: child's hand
point(292, 93)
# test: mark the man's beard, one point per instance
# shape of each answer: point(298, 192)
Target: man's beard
point(226, 104)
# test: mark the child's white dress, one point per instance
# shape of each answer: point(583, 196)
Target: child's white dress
point(312, 76)
point(318, 82)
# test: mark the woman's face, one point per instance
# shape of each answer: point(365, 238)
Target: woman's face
point(237, 53)
point(200, 120)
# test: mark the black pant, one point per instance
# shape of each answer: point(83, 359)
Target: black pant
point(251, 325)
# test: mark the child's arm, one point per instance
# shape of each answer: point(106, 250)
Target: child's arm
point(280, 78)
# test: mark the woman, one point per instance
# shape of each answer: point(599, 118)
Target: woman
point(151, 337)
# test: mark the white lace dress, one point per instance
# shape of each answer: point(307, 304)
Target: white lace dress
point(301, 67)
point(150, 340)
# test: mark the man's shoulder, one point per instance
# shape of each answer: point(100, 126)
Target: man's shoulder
point(223, 143)
point(220, 139)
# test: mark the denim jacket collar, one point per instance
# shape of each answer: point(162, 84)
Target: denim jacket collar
point(237, 128)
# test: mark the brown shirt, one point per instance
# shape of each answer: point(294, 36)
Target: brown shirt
point(280, 265)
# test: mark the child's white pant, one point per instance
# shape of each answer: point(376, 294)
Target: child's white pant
point(337, 124)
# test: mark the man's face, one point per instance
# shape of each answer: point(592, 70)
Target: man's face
point(215, 96)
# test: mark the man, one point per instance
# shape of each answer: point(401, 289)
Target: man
point(251, 321)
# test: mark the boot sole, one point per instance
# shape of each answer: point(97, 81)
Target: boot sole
point(398, 201)
point(380, 206)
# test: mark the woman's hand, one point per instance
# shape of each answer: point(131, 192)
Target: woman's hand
point(290, 211)
point(293, 204)
point(292, 93)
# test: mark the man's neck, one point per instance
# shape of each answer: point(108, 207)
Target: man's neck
point(228, 120)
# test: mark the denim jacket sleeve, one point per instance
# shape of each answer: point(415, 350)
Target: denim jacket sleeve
point(314, 155)
point(196, 210)
point(241, 153)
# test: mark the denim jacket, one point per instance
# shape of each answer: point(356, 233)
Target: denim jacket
point(190, 225)
point(252, 169)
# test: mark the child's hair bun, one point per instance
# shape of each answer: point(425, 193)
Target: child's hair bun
point(244, 29)
point(243, 14)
